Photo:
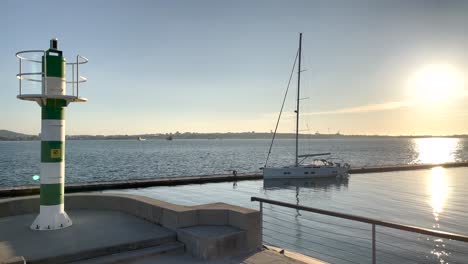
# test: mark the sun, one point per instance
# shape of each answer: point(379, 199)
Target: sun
point(435, 83)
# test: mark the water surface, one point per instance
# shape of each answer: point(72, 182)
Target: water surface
point(434, 199)
point(107, 160)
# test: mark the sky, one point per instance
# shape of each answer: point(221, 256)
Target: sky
point(370, 67)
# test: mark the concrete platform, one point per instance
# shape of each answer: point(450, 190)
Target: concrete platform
point(109, 224)
point(269, 255)
point(173, 249)
point(93, 233)
point(262, 257)
point(117, 228)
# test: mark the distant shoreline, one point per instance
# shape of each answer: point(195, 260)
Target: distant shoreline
point(6, 135)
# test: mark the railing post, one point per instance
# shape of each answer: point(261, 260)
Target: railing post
point(261, 221)
point(20, 76)
point(77, 76)
point(73, 79)
point(374, 259)
point(44, 75)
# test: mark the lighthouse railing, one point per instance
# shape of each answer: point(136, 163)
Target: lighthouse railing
point(76, 74)
point(23, 57)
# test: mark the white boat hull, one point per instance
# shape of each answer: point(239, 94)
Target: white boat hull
point(304, 171)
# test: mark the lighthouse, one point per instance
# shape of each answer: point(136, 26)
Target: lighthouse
point(53, 100)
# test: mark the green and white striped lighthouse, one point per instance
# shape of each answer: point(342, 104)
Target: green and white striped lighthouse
point(53, 99)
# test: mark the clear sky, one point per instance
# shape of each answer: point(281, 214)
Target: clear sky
point(372, 67)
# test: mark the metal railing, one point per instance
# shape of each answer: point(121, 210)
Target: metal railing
point(25, 75)
point(79, 79)
point(22, 56)
point(373, 222)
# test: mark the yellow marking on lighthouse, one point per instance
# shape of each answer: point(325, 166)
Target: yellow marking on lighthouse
point(55, 153)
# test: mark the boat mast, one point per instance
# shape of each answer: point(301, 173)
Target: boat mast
point(298, 99)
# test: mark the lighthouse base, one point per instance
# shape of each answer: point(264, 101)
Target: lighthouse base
point(51, 217)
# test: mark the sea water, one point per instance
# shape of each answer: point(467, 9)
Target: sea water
point(434, 199)
point(107, 160)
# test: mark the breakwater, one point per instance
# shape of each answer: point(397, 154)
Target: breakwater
point(173, 181)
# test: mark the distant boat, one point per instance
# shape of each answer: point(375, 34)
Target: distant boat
point(169, 137)
point(319, 167)
point(141, 139)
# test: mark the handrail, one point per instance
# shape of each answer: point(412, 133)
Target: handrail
point(79, 79)
point(28, 51)
point(78, 73)
point(408, 228)
point(42, 73)
point(24, 75)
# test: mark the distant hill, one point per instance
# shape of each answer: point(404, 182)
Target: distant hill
point(241, 135)
point(7, 135)
point(10, 135)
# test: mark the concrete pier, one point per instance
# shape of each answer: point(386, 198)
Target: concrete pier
point(172, 181)
point(108, 224)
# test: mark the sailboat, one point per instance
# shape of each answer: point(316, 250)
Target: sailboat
point(318, 167)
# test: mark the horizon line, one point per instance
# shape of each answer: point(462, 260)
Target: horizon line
point(256, 132)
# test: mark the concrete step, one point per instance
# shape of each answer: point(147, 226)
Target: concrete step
point(174, 248)
point(213, 242)
point(106, 251)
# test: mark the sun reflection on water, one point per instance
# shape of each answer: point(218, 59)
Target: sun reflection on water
point(436, 150)
point(439, 190)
